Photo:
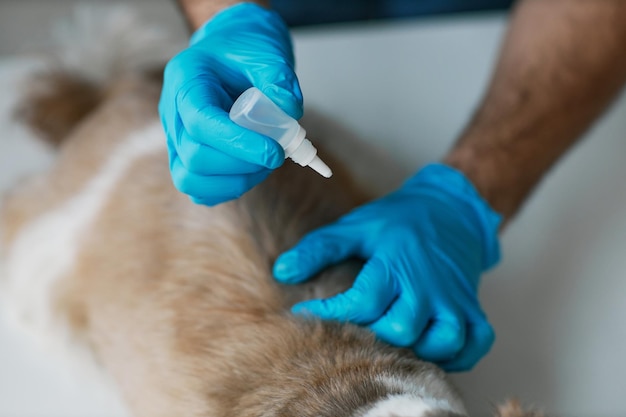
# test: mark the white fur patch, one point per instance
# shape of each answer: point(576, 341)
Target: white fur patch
point(406, 405)
point(417, 397)
point(45, 250)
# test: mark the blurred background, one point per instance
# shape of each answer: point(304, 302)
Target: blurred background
point(400, 81)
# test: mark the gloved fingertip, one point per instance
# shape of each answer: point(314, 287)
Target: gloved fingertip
point(286, 268)
point(203, 202)
point(318, 309)
point(305, 309)
point(275, 157)
point(195, 200)
point(288, 99)
point(447, 333)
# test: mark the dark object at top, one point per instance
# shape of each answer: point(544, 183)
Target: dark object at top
point(313, 12)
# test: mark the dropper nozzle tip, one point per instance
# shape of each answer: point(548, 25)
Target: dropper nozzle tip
point(320, 167)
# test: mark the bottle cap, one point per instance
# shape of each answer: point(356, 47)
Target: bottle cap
point(320, 167)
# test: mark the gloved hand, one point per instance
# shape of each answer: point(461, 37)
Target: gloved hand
point(211, 158)
point(425, 247)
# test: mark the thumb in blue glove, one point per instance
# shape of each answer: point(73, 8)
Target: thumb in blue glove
point(425, 247)
point(212, 159)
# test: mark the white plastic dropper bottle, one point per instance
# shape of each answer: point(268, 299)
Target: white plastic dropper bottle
point(255, 111)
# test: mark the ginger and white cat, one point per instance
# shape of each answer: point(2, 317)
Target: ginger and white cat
point(176, 301)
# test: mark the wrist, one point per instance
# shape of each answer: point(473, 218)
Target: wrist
point(449, 185)
point(198, 12)
point(239, 16)
point(503, 177)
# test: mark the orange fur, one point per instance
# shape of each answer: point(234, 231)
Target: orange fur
point(176, 301)
point(55, 102)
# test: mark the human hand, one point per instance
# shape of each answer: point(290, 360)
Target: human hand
point(425, 247)
point(211, 158)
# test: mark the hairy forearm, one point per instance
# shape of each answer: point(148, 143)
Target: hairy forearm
point(562, 63)
point(199, 11)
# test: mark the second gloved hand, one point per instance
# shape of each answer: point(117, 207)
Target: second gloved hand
point(211, 158)
point(425, 247)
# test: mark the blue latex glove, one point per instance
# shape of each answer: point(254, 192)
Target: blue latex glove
point(211, 158)
point(425, 247)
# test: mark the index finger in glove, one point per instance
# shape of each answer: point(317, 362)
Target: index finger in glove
point(319, 249)
point(208, 123)
point(443, 339)
point(206, 160)
point(372, 293)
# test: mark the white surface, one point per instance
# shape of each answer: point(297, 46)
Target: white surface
point(405, 90)
point(34, 381)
